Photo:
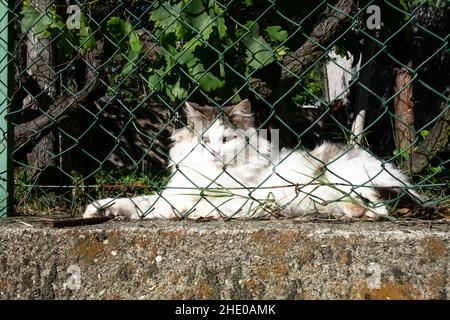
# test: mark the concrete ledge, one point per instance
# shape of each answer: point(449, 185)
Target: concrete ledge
point(225, 260)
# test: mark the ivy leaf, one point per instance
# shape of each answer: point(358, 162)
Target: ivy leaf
point(169, 59)
point(197, 70)
point(176, 91)
point(210, 82)
point(135, 43)
point(44, 25)
point(118, 29)
point(134, 50)
point(187, 57)
point(165, 17)
point(154, 80)
point(436, 170)
point(87, 39)
point(258, 53)
point(276, 34)
point(424, 133)
point(207, 81)
point(221, 27)
point(203, 16)
point(194, 43)
point(199, 17)
point(30, 15)
point(56, 23)
point(41, 28)
point(281, 52)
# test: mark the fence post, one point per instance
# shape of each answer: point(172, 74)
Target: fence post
point(4, 98)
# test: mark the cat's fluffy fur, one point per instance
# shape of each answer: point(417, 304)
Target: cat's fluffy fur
point(222, 167)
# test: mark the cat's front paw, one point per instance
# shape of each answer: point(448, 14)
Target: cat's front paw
point(109, 208)
point(91, 211)
point(100, 208)
point(355, 210)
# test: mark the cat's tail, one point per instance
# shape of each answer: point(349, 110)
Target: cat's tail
point(357, 172)
point(394, 183)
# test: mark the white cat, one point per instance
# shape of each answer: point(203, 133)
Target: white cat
point(222, 167)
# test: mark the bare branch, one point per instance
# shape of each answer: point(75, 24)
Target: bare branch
point(331, 26)
point(27, 135)
point(337, 19)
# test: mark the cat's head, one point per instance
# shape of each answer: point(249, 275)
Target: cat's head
point(223, 134)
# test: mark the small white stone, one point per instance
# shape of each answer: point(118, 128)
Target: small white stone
point(114, 253)
point(158, 259)
point(106, 241)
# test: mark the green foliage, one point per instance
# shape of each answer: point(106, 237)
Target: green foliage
point(118, 29)
point(108, 183)
point(32, 200)
point(200, 46)
point(122, 34)
point(275, 34)
point(311, 88)
point(44, 24)
point(402, 154)
point(71, 201)
point(424, 133)
point(258, 52)
point(48, 24)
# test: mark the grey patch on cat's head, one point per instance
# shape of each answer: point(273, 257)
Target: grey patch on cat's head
point(196, 113)
point(241, 115)
point(181, 135)
point(236, 116)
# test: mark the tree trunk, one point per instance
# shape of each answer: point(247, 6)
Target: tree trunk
point(435, 142)
point(40, 66)
point(404, 114)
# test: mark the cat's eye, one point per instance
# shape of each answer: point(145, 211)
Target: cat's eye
point(205, 139)
point(229, 138)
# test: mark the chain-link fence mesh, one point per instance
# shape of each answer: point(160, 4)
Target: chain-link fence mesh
point(96, 88)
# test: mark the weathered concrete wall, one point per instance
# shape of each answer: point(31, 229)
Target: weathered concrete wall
point(231, 260)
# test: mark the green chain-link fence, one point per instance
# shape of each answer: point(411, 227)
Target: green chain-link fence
point(92, 90)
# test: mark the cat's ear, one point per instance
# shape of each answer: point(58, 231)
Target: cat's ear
point(241, 114)
point(243, 108)
point(193, 112)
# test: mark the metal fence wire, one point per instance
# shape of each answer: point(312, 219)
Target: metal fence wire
point(91, 92)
